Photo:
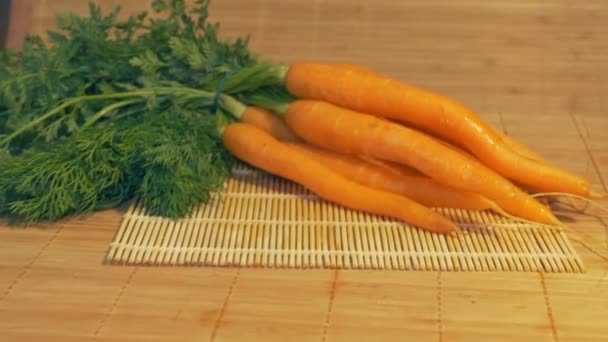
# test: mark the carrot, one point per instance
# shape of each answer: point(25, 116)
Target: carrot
point(370, 172)
point(520, 148)
point(394, 167)
point(259, 149)
point(515, 146)
point(268, 122)
point(361, 90)
point(346, 131)
point(587, 201)
point(465, 154)
point(419, 188)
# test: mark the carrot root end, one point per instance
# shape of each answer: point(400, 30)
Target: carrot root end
point(598, 194)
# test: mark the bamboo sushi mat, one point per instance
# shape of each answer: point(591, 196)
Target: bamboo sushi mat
point(266, 221)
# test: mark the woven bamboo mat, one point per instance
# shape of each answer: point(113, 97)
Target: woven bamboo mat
point(265, 221)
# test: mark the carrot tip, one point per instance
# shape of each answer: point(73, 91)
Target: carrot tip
point(555, 222)
point(457, 232)
point(593, 195)
point(597, 194)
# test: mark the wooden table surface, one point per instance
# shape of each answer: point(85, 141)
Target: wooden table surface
point(536, 69)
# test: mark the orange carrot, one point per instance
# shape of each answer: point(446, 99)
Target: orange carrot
point(515, 146)
point(361, 90)
point(419, 188)
point(511, 143)
point(269, 122)
point(383, 175)
point(259, 149)
point(465, 154)
point(520, 148)
point(347, 131)
point(395, 167)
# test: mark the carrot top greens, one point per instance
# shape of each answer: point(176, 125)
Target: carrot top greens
point(106, 110)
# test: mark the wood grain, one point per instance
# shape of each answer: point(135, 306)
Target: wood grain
point(19, 22)
point(538, 67)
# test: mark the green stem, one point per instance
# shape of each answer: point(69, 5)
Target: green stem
point(28, 76)
point(281, 72)
point(254, 77)
point(124, 114)
point(277, 104)
point(221, 124)
point(61, 107)
point(37, 121)
point(92, 120)
point(235, 108)
point(20, 78)
point(67, 103)
point(232, 106)
point(279, 108)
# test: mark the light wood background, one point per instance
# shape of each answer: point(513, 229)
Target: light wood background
point(536, 69)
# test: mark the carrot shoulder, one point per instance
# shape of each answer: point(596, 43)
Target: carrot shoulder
point(258, 148)
point(361, 90)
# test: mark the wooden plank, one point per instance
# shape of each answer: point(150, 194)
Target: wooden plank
point(4, 25)
point(67, 275)
point(601, 160)
point(528, 64)
point(263, 305)
point(31, 241)
point(19, 22)
point(577, 303)
point(384, 305)
point(593, 129)
point(81, 297)
point(149, 305)
point(478, 308)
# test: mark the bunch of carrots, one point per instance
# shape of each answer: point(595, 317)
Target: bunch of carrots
point(350, 135)
point(371, 143)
